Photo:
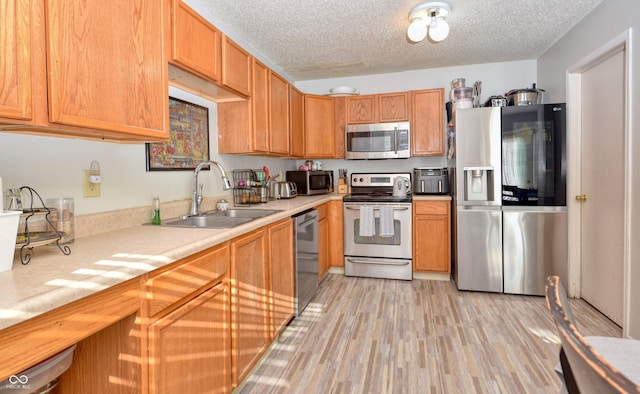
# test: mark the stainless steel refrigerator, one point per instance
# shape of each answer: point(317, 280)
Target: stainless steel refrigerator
point(510, 197)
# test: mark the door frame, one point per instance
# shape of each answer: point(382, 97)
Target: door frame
point(622, 42)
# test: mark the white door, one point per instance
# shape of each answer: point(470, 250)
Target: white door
point(602, 179)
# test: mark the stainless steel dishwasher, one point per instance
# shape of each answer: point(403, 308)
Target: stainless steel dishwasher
point(306, 253)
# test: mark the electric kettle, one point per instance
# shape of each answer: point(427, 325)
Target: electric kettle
point(401, 186)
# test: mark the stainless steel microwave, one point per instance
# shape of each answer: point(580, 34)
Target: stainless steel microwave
point(377, 141)
point(312, 182)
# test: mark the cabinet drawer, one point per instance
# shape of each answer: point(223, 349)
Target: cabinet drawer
point(431, 208)
point(170, 286)
point(323, 211)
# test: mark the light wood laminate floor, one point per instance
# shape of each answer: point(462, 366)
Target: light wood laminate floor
point(361, 335)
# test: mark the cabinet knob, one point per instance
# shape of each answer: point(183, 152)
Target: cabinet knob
point(581, 197)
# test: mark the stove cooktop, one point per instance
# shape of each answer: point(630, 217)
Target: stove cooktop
point(376, 187)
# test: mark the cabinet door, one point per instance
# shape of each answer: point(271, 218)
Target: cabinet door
point(296, 114)
point(15, 71)
point(336, 234)
point(427, 126)
point(106, 66)
point(393, 107)
point(195, 43)
point(236, 67)
point(190, 348)
point(249, 304)
point(282, 278)
point(260, 106)
point(323, 247)
point(340, 121)
point(319, 124)
point(279, 114)
point(361, 109)
point(431, 236)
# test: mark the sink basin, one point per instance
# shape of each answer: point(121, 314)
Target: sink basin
point(247, 213)
point(207, 221)
point(220, 219)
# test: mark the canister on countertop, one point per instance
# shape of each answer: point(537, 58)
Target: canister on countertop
point(61, 217)
point(222, 205)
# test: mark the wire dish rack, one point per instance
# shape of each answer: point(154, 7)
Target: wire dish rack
point(28, 239)
point(249, 187)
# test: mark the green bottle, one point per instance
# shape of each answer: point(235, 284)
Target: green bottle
point(155, 219)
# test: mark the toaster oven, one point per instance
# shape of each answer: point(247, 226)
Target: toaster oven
point(431, 180)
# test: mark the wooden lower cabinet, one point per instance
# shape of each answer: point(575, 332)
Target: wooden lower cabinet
point(336, 234)
point(187, 305)
point(190, 348)
point(281, 275)
point(323, 241)
point(250, 332)
point(106, 362)
point(432, 236)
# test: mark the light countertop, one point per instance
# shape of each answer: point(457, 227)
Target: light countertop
point(100, 261)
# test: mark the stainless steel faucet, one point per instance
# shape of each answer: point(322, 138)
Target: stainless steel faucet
point(197, 189)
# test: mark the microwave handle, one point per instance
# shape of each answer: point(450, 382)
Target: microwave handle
point(395, 139)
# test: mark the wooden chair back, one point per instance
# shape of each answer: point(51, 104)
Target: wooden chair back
point(590, 372)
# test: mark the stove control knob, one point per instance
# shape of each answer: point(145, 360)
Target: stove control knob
point(361, 179)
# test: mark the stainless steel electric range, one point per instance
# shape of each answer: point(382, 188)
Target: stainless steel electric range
point(377, 227)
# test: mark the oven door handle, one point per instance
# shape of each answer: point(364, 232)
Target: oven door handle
point(394, 208)
point(377, 262)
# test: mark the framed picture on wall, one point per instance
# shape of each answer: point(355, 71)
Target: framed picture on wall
point(188, 139)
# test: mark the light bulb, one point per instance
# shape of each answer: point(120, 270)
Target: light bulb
point(417, 30)
point(434, 21)
point(440, 32)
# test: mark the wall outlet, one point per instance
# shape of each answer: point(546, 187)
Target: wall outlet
point(89, 189)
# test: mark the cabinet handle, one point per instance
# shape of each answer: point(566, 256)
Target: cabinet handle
point(581, 197)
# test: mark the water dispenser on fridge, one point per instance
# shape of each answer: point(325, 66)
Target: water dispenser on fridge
point(478, 184)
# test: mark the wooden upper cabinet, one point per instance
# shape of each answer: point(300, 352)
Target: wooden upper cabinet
point(15, 72)
point(236, 67)
point(427, 123)
point(378, 108)
point(339, 121)
point(110, 74)
point(261, 124)
point(260, 107)
point(195, 44)
point(279, 115)
point(393, 107)
point(296, 121)
point(202, 60)
point(319, 126)
point(361, 109)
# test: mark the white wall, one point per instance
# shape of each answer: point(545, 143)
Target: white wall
point(496, 78)
point(608, 20)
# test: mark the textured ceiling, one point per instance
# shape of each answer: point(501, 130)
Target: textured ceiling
point(317, 39)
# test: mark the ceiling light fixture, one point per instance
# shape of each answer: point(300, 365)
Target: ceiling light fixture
point(429, 18)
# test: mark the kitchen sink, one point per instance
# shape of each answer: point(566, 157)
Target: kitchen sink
point(219, 219)
point(247, 213)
